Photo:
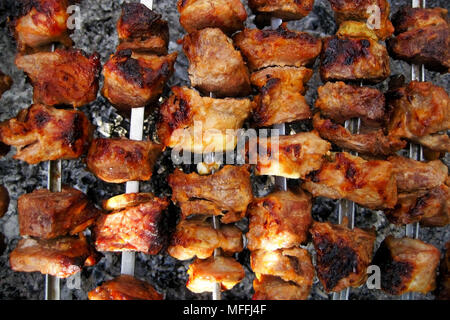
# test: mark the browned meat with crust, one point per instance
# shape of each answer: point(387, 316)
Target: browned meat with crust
point(41, 22)
point(47, 215)
point(226, 192)
point(141, 29)
point(360, 11)
point(283, 9)
point(62, 77)
point(227, 15)
point(341, 102)
point(444, 276)
point(439, 143)
point(135, 228)
point(204, 274)
point(4, 200)
point(407, 265)
point(430, 207)
point(43, 133)
point(419, 110)
point(185, 110)
point(135, 80)
point(290, 156)
point(412, 175)
point(279, 220)
point(343, 255)
point(423, 37)
point(373, 142)
point(5, 83)
point(121, 160)
point(354, 60)
point(197, 237)
point(215, 66)
point(369, 183)
point(281, 47)
point(125, 287)
point(61, 257)
point(280, 97)
point(274, 288)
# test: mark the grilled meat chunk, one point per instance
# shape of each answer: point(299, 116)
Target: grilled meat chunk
point(5, 83)
point(125, 287)
point(62, 77)
point(226, 192)
point(121, 160)
point(274, 288)
point(373, 142)
point(444, 276)
point(204, 274)
point(61, 257)
point(280, 97)
point(43, 133)
point(227, 15)
point(135, 80)
point(47, 215)
point(215, 66)
point(412, 175)
point(41, 22)
point(142, 30)
point(290, 156)
point(361, 10)
point(197, 237)
point(423, 37)
point(419, 110)
point(343, 255)
point(279, 220)
point(341, 102)
point(283, 9)
point(350, 59)
point(407, 265)
point(369, 183)
point(186, 114)
point(135, 228)
point(281, 47)
point(4, 200)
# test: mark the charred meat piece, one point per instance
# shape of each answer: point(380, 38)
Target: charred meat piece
point(43, 133)
point(137, 228)
point(227, 15)
point(186, 113)
point(125, 287)
point(5, 83)
point(41, 22)
point(281, 47)
point(135, 80)
point(142, 30)
point(215, 66)
point(369, 183)
point(343, 255)
point(407, 265)
point(373, 142)
point(121, 160)
point(444, 276)
point(274, 288)
point(47, 215)
point(430, 207)
point(419, 109)
point(290, 156)
point(226, 192)
point(341, 102)
point(412, 175)
point(283, 9)
point(61, 257)
point(204, 274)
point(197, 237)
point(62, 77)
point(362, 10)
point(289, 264)
point(357, 59)
point(423, 37)
point(279, 220)
point(4, 200)
point(280, 97)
